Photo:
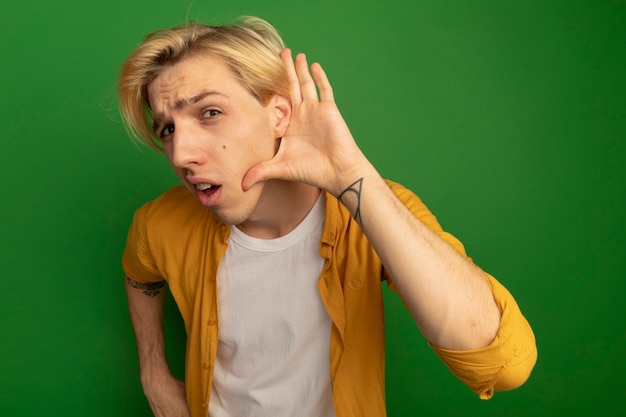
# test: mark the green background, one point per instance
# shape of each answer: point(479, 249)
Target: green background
point(508, 118)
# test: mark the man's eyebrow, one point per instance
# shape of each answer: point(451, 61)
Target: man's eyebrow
point(182, 103)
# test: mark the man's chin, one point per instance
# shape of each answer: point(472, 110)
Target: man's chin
point(224, 217)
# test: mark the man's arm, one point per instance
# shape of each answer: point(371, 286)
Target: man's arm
point(447, 295)
point(165, 393)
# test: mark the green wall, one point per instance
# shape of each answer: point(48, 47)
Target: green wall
point(508, 118)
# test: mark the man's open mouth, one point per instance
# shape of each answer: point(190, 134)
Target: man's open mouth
point(206, 188)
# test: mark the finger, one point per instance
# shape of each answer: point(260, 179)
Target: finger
point(292, 77)
point(254, 175)
point(263, 171)
point(323, 84)
point(307, 85)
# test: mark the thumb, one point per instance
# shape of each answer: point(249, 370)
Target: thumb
point(263, 171)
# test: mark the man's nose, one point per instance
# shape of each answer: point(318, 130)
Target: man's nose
point(187, 148)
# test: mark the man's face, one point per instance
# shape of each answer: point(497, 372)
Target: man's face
point(213, 130)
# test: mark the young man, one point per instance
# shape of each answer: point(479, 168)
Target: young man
point(275, 246)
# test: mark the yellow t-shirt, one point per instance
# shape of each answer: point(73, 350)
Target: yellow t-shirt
point(176, 239)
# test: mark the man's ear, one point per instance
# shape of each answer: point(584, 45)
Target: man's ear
point(281, 108)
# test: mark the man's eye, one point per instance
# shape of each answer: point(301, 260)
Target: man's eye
point(167, 130)
point(211, 113)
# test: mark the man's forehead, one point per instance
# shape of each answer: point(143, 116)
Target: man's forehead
point(185, 78)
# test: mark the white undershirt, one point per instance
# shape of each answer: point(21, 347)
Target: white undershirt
point(273, 350)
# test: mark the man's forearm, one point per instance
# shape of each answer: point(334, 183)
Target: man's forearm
point(145, 305)
point(447, 295)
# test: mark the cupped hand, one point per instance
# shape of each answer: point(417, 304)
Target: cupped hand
point(317, 147)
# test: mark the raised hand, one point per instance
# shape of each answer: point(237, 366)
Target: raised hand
point(317, 148)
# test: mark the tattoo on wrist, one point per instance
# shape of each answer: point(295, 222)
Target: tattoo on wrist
point(355, 188)
point(151, 289)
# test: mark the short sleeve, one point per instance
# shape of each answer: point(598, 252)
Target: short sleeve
point(507, 362)
point(137, 261)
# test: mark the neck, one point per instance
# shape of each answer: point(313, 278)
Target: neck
point(281, 207)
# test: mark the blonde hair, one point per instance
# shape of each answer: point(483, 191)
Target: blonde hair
point(250, 48)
